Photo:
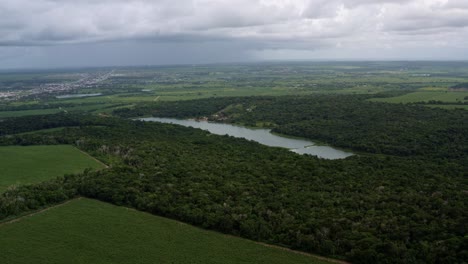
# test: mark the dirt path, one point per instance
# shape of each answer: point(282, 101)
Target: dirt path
point(37, 212)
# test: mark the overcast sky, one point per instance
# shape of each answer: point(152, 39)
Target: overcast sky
point(69, 33)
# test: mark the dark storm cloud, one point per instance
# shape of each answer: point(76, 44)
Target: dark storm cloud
point(253, 25)
point(52, 22)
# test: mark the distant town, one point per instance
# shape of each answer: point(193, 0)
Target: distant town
point(87, 80)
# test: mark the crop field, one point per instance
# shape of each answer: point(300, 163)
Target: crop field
point(33, 164)
point(423, 81)
point(89, 231)
point(153, 94)
point(4, 114)
point(95, 107)
point(432, 98)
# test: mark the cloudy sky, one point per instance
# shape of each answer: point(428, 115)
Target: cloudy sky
point(70, 33)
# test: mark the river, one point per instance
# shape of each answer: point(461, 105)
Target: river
point(262, 136)
point(77, 95)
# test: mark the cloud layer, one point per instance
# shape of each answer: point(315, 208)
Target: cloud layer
point(256, 25)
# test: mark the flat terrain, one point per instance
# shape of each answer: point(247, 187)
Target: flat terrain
point(448, 98)
point(130, 86)
point(4, 114)
point(89, 231)
point(400, 199)
point(32, 164)
point(99, 107)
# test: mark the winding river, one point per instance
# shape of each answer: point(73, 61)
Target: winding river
point(262, 136)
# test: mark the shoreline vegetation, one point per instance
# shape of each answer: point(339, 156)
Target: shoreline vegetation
point(261, 135)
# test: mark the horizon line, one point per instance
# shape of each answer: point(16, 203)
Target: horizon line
point(25, 69)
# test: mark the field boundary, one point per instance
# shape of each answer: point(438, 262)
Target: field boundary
point(89, 155)
point(331, 260)
point(302, 253)
point(19, 218)
point(318, 257)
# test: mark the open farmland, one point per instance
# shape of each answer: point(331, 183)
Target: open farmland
point(75, 107)
point(444, 99)
point(39, 93)
point(4, 114)
point(33, 164)
point(88, 231)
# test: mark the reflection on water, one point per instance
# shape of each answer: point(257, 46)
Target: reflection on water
point(262, 136)
point(77, 95)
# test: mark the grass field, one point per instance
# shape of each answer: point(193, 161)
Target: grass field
point(426, 96)
point(86, 108)
point(4, 114)
point(154, 95)
point(89, 231)
point(32, 164)
point(449, 98)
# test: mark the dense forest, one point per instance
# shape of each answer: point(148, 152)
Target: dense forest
point(343, 121)
point(409, 206)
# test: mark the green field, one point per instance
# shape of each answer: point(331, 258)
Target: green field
point(423, 81)
point(89, 231)
point(32, 164)
point(175, 94)
point(4, 114)
point(426, 96)
point(98, 107)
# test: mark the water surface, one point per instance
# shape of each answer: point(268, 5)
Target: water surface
point(77, 95)
point(263, 136)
